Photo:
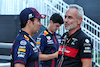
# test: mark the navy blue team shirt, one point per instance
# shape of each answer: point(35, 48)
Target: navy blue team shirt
point(24, 51)
point(48, 44)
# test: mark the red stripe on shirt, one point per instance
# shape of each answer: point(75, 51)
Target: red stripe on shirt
point(69, 51)
point(53, 63)
point(36, 64)
point(54, 39)
point(20, 62)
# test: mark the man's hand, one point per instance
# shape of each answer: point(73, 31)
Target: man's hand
point(56, 54)
point(46, 57)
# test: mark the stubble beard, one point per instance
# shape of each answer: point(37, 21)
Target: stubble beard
point(71, 26)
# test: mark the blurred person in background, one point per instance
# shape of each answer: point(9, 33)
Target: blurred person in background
point(48, 41)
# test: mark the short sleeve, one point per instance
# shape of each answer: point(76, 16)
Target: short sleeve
point(21, 51)
point(85, 48)
point(41, 42)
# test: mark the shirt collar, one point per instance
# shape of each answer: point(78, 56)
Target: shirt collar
point(27, 35)
point(23, 32)
point(75, 34)
point(49, 32)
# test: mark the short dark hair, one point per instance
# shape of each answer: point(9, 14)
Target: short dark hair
point(23, 24)
point(57, 18)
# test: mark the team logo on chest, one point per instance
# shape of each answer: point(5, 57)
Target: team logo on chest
point(49, 40)
point(48, 37)
point(74, 40)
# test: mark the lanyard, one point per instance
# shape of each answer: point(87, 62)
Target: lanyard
point(62, 57)
point(64, 45)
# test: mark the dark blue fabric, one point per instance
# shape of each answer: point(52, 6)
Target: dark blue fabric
point(47, 45)
point(24, 51)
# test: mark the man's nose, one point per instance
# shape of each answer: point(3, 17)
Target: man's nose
point(66, 19)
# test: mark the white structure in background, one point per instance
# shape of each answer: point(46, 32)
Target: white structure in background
point(48, 7)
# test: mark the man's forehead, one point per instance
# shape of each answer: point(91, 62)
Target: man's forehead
point(71, 12)
point(57, 24)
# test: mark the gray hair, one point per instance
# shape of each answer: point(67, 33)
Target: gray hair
point(80, 12)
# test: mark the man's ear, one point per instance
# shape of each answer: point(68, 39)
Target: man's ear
point(80, 20)
point(29, 22)
point(51, 21)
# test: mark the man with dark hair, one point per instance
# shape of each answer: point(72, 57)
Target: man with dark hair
point(49, 41)
point(76, 50)
point(24, 51)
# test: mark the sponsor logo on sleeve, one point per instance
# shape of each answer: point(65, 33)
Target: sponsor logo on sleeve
point(23, 42)
point(22, 47)
point(87, 40)
point(87, 46)
point(23, 50)
point(21, 54)
point(87, 51)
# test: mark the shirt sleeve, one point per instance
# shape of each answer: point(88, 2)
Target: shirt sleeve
point(21, 51)
point(86, 48)
point(41, 42)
